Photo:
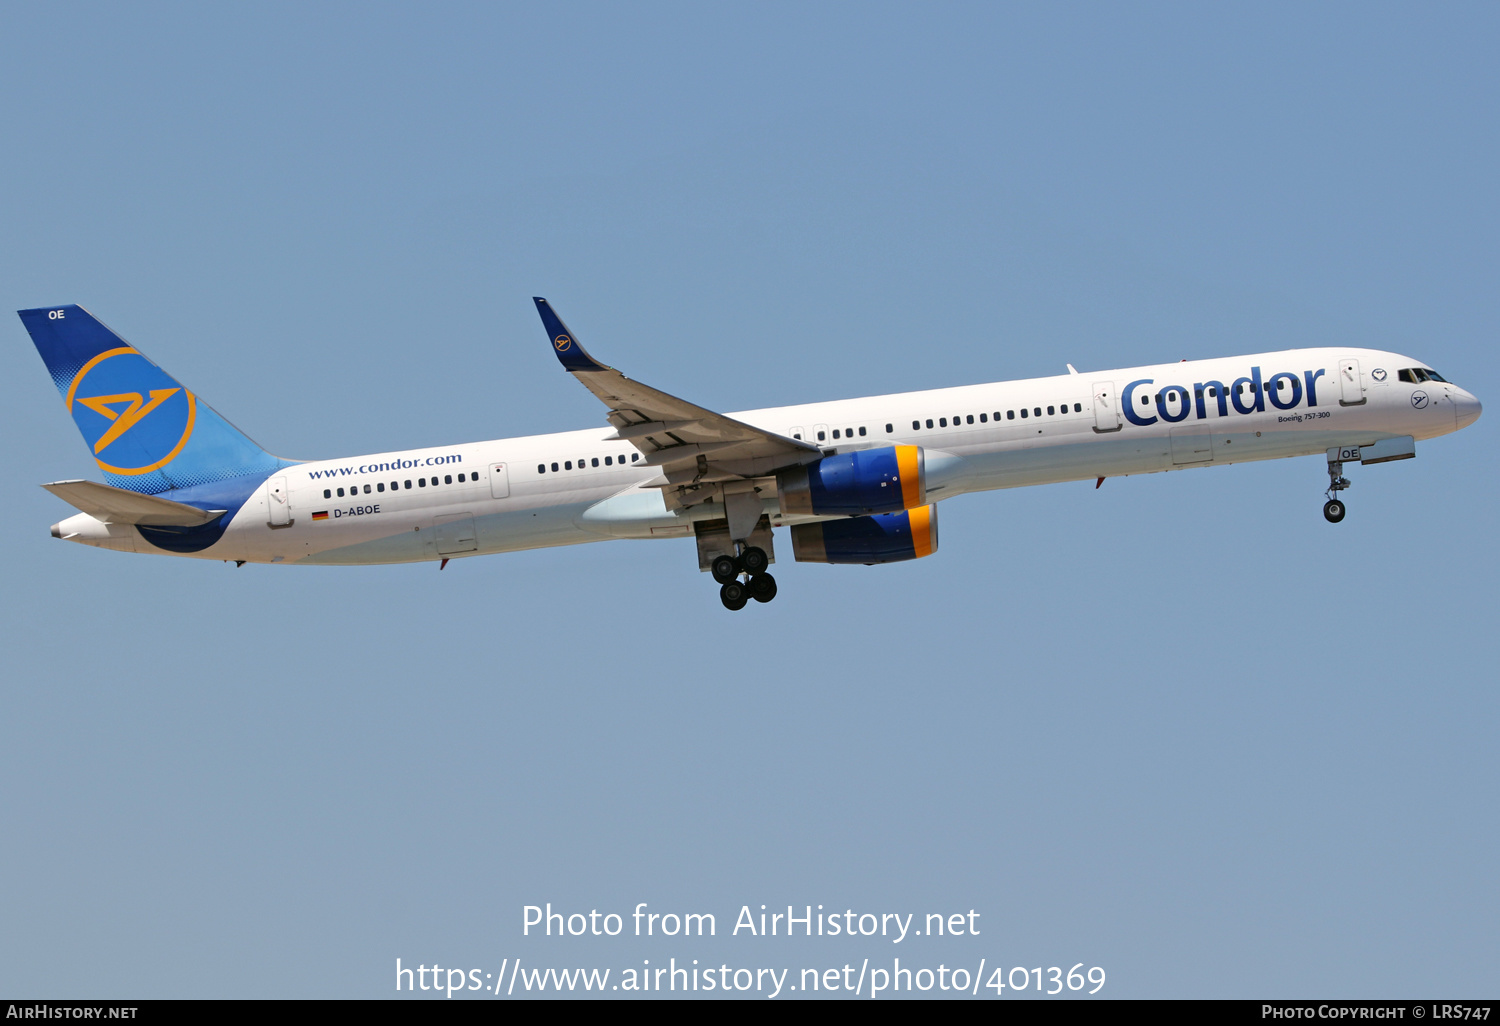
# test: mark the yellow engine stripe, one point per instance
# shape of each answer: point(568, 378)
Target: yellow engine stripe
point(911, 481)
point(921, 530)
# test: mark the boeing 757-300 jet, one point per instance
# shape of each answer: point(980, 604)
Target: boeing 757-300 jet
point(854, 480)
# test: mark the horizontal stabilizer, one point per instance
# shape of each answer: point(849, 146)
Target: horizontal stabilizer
point(112, 505)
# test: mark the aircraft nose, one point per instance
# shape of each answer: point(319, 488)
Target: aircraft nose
point(1468, 408)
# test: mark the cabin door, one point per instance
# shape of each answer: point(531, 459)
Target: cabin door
point(1351, 384)
point(1106, 407)
point(278, 503)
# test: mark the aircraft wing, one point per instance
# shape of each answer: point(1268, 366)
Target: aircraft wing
point(111, 505)
point(692, 445)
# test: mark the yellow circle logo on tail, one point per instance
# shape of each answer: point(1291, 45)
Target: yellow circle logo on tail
point(133, 415)
point(562, 342)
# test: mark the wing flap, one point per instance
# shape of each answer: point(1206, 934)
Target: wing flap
point(112, 505)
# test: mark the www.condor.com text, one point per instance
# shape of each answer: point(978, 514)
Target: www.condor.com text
point(689, 977)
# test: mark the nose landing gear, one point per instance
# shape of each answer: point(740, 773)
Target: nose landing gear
point(1334, 509)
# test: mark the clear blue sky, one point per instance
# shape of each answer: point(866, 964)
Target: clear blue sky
point(1178, 727)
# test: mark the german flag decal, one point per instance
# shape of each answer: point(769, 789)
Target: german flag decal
point(321, 516)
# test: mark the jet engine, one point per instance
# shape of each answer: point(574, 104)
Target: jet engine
point(863, 481)
point(886, 538)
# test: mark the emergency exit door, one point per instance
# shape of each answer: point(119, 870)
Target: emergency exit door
point(499, 481)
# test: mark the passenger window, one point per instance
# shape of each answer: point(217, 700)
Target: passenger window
point(395, 486)
point(554, 468)
point(889, 428)
point(984, 418)
point(1051, 411)
point(379, 487)
point(1078, 407)
point(970, 419)
point(848, 432)
point(421, 482)
point(916, 425)
point(861, 432)
point(929, 422)
point(942, 422)
point(327, 493)
point(408, 484)
point(609, 461)
point(341, 493)
point(634, 456)
point(835, 432)
point(541, 468)
point(595, 461)
point(820, 436)
point(367, 489)
point(1009, 415)
point(1024, 414)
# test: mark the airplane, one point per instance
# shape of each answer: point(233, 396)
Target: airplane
point(856, 481)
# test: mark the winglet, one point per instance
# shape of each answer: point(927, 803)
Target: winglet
point(572, 355)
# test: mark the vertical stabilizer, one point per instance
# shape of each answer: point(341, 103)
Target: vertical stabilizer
point(146, 431)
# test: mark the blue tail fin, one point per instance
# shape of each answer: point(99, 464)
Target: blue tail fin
point(145, 430)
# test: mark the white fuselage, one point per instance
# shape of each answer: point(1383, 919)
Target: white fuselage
point(506, 503)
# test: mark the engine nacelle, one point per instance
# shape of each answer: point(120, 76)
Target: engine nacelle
point(887, 538)
point(864, 481)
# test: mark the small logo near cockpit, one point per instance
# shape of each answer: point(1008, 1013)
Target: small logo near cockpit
point(1378, 374)
point(1419, 400)
point(562, 342)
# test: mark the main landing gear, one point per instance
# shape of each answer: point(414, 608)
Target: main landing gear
point(758, 585)
point(1334, 509)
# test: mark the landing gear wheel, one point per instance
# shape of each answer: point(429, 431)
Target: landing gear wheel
point(1333, 511)
point(762, 587)
point(732, 594)
point(754, 560)
point(724, 569)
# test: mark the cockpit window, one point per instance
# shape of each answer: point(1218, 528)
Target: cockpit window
point(1434, 375)
point(1404, 375)
point(1412, 375)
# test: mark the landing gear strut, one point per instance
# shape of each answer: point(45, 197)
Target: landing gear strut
point(1334, 509)
point(758, 585)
